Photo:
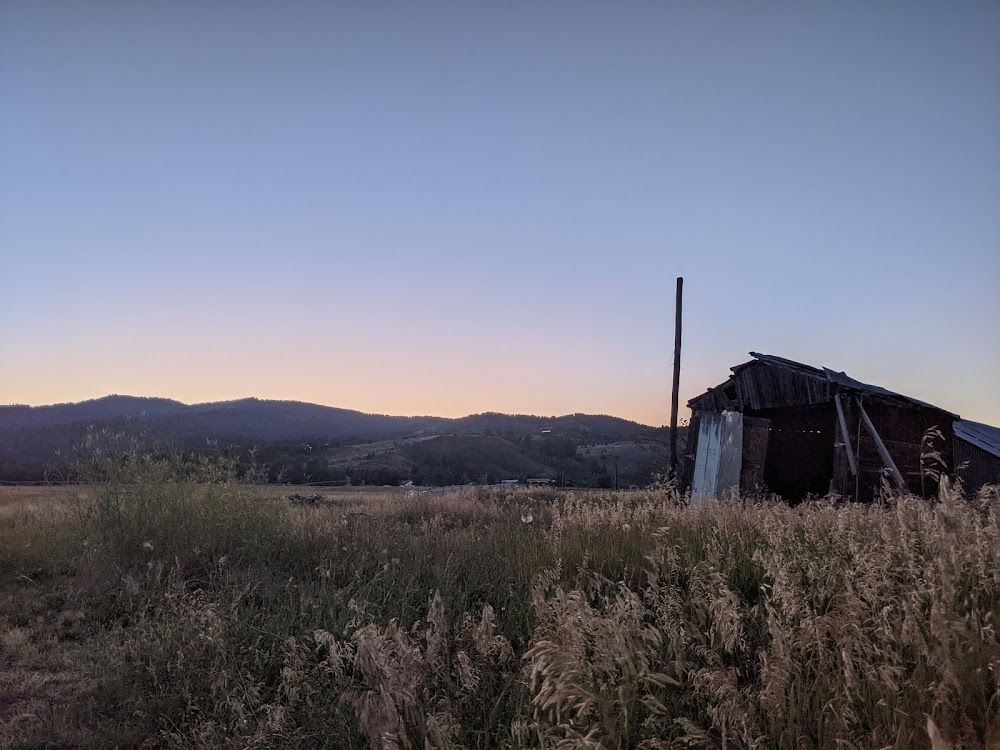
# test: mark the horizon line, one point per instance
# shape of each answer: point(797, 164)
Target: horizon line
point(330, 406)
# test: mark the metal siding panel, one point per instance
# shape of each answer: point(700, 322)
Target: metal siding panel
point(982, 436)
point(704, 483)
point(976, 467)
point(731, 459)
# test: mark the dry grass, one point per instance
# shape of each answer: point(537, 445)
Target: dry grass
point(19, 502)
point(175, 606)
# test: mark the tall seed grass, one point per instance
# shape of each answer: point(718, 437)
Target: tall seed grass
point(775, 627)
point(206, 611)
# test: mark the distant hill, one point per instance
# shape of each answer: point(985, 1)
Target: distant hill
point(249, 417)
point(309, 442)
point(99, 409)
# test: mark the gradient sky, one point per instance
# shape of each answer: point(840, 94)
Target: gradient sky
point(452, 207)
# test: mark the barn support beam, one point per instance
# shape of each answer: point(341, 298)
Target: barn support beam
point(842, 420)
point(882, 450)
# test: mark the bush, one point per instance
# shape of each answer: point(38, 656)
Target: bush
point(191, 512)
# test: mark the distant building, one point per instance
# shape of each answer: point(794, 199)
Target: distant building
point(797, 430)
point(508, 481)
point(538, 482)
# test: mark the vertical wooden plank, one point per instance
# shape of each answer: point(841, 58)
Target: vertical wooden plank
point(846, 435)
point(755, 439)
point(882, 450)
point(740, 400)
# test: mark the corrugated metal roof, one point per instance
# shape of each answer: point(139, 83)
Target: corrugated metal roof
point(980, 435)
point(845, 380)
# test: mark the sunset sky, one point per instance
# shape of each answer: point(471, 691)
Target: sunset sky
point(454, 207)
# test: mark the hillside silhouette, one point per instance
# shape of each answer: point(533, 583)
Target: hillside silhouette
point(302, 442)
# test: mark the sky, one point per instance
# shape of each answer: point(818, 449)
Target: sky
point(455, 207)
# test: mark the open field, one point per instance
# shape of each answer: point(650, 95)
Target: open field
point(174, 606)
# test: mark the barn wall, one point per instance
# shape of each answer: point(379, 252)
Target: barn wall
point(756, 433)
point(901, 426)
point(976, 467)
point(844, 482)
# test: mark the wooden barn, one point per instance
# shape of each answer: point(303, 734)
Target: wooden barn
point(789, 428)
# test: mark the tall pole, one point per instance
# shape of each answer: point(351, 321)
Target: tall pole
point(677, 378)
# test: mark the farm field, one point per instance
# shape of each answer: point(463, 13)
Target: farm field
point(173, 605)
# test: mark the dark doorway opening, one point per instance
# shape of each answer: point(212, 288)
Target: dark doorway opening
point(799, 451)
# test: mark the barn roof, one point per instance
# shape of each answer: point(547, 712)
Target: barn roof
point(980, 435)
point(822, 374)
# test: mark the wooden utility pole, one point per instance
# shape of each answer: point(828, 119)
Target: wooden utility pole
point(677, 378)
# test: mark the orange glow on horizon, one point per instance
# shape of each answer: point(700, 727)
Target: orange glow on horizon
point(393, 391)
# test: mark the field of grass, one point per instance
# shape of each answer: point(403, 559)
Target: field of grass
point(173, 605)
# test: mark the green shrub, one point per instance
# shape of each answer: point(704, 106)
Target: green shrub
point(192, 513)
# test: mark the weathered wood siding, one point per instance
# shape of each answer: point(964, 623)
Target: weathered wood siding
point(762, 386)
point(758, 386)
point(902, 427)
point(756, 431)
